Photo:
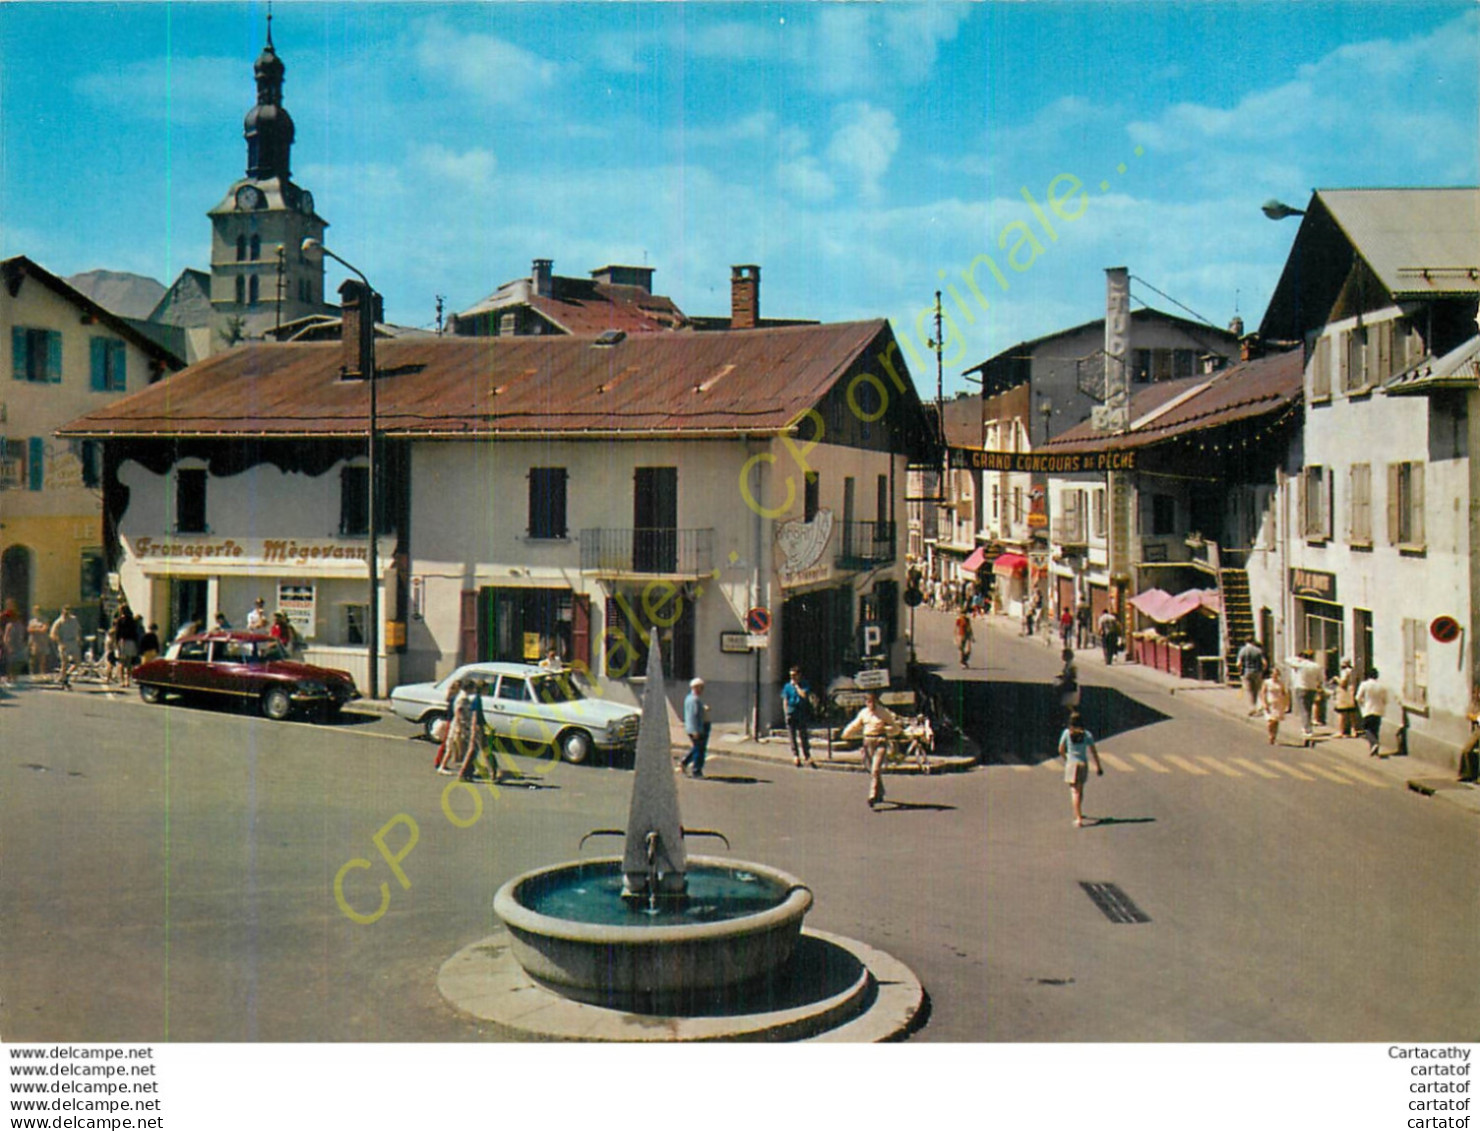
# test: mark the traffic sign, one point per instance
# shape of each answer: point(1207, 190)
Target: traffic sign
point(1444, 629)
point(758, 620)
point(757, 640)
point(913, 597)
point(872, 679)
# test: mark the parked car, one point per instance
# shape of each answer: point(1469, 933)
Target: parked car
point(530, 705)
point(245, 667)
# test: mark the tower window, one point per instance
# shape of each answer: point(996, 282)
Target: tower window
point(241, 290)
point(241, 248)
point(256, 248)
point(252, 292)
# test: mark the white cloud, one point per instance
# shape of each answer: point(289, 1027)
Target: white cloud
point(482, 65)
point(863, 145)
point(471, 170)
point(805, 178)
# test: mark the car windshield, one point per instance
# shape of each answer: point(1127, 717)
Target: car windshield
point(269, 651)
point(555, 689)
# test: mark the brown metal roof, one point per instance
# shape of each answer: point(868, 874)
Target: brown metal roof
point(750, 381)
point(1249, 389)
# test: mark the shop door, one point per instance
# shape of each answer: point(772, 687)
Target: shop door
point(1322, 634)
point(1362, 641)
point(187, 603)
point(817, 634)
point(655, 520)
point(15, 578)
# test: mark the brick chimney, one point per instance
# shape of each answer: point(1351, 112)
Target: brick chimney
point(356, 331)
point(1250, 347)
point(541, 275)
point(745, 297)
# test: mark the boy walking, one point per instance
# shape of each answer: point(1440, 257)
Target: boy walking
point(1077, 747)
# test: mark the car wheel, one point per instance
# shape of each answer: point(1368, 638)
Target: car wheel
point(150, 693)
point(429, 724)
point(575, 746)
point(276, 704)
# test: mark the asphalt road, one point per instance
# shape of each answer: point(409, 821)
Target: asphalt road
point(169, 873)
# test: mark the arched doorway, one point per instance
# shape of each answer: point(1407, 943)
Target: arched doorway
point(15, 577)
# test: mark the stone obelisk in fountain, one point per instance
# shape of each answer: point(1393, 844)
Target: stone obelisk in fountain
point(654, 861)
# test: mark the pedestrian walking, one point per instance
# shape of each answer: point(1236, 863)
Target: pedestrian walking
point(1372, 700)
point(1274, 698)
point(257, 618)
point(459, 738)
point(1067, 681)
point(1109, 628)
point(38, 638)
point(1066, 627)
point(126, 641)
point(1344, 697)
point(478, 739)
point(66, 634)
point(1076, 748)
point(965, 637)
point(149, 644)
point(14, 640)
point(1082, 624)
point(1252, 668)
point(875, 725)
point(696, 726)
point(1305, 682)
point(1030, 610)
point(445, 724)
point(796, 704)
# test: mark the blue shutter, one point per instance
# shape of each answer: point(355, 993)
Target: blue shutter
point(35, 457)
point(99, 364)
point(18, 353)
point(54, 356)
point(119, 367)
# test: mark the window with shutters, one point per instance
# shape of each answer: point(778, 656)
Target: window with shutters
point(1315, 503)
point(1405, 505)
point(1415, 664)
point(547, 502)
point(93, 573)
point(36, 355)
point(109, 359)
point(12, 464)
point(190, 500)
point(89, 455)
point(1359, 495)
point(1354, 375)
point(1320, 370)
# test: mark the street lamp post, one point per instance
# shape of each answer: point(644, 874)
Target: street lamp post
point(312, 246)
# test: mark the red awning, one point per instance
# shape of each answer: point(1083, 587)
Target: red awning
point(1009, 564)
point(1163, 608)
point(975, 561)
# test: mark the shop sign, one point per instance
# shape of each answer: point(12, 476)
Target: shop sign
point(801, 546)
point(298, 602)
point(1313, 583)
point(248, 552)
point(1068, 463)
point(734, 642)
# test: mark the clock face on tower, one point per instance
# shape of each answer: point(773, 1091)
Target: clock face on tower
point(305, 202)
point(248, 197)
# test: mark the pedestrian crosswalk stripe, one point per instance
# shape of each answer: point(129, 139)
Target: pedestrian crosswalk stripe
point(1291, 770)
point(1254, 768)
point(1215, 764)
point(1117, 763)
point(1365, 779)
point(1183, 763)
point(1327, 774)
point(1150, 765)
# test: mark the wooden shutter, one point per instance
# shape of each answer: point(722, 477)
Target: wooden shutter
point(99, 359)
point(1344, 358)
point(1305, 503)
point(54, 357)
point(467, 626)
point(1328, 515)
point(18, 353)
point(1384, 368)
point(1394, 500)
point(1320, 369)
point(1415, 504)
point(36, 463)
point(580, 630)
point(119, 367)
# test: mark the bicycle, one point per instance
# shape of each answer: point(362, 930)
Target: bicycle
point(91, 668)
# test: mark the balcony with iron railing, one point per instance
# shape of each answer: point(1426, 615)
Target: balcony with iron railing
point(648, 551)
point(865, 544)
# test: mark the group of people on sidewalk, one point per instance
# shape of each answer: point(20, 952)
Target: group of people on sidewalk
point(1356, 701)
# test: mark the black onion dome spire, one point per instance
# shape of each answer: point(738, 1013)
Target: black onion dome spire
point(268, 127)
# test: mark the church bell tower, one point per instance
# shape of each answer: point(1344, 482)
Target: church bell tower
point(260, 278)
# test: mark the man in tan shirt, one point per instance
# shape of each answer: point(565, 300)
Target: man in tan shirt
point(875, 724)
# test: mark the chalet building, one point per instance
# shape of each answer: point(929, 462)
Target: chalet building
point(533, 492)
point(1372, 547)
point(1200, 463)
point(67, 355)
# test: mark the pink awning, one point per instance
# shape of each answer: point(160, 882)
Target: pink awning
point(975, 561)
point(1009, 564)
point(1163, 608)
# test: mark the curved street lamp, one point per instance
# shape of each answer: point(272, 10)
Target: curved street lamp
point(1279, 210)
point(315, 247)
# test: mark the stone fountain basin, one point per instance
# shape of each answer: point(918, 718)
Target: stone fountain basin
point(651, 967)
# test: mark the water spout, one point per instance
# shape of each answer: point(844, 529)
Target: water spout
point(654, 860)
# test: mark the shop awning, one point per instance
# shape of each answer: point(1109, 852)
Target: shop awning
point(1009, 564)
point(1163, 608)
point(975, 561)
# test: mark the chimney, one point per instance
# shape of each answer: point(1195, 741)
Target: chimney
point(745, 297)
point(541, 276)
point(1250, 347)
point(357, 331)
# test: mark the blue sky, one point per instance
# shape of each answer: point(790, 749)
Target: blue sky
point(855, 151)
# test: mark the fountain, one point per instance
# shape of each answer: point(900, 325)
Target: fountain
point(657, 944)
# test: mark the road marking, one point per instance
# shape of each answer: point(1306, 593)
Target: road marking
point(1183, 763)
point(1327, 774)
point(1254, 767)
point(1156, 767)
point(1291, 770)
point(1117, 763)
point(1214, 763)
point(1365, 779)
